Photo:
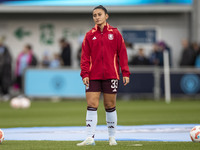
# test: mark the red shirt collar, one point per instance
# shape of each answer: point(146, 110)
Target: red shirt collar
point(106, 28)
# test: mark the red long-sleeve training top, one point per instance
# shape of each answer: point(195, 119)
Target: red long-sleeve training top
point(102, 52)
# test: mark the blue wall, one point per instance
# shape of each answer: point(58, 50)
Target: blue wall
point(46, 83)
point(68, 83)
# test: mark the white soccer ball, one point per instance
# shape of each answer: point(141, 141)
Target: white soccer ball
point(1, 136)
point(195, 134)
point(25, 103)
point(15, 103)
point(20, 102)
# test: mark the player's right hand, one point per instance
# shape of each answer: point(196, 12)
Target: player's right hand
point(86, 81)
point(126, 80)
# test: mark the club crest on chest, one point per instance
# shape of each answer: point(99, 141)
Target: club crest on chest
point(110, 36)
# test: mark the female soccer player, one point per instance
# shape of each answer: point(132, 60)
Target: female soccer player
point(103, 49)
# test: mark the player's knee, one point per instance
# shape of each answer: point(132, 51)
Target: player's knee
point(109, 105)
point(93, 104)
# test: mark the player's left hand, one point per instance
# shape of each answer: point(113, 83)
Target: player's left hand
point(125, 80)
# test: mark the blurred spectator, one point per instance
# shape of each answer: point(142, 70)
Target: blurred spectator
point(196, 48)
point(24, 60)
point(156, 57)
point(188, 54)
point(164, 47)
point(5, 70)
point(130, 52)
point(65, 52)
point(45, 59)
point(55, 63)
point(140, 59)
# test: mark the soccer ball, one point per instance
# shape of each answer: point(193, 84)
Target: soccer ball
point(20, 102)
point(195, 134)
point(1, 136)
point(15, 103)
point(25, 103)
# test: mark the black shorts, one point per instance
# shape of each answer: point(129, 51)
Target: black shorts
point(106, 86)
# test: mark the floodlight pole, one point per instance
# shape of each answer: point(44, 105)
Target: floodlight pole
point(167, 77)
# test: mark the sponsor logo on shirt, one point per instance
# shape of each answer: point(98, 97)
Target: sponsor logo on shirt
point(110, 36)
point(94, 38)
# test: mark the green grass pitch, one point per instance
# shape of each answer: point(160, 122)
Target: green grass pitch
point(100, 145)
point(72, 113)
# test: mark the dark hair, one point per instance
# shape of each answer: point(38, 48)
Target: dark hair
point(29, 46)
point(101, 7)
point(62, 40)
